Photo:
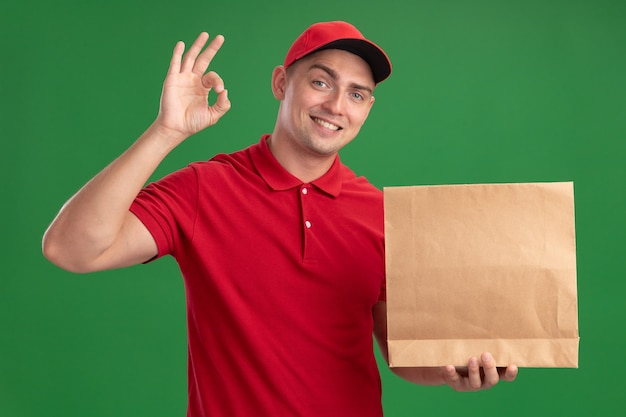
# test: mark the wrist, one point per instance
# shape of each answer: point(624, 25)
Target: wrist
point(167, 138)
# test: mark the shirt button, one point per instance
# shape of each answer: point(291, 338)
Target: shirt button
point(307, 224)
point(305, 190)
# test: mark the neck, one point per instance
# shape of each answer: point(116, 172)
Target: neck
point(302, 164)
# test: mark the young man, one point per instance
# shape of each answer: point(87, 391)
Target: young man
point(280, 244)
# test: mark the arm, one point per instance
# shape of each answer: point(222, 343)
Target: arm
point(94, 230)
point(479, 374)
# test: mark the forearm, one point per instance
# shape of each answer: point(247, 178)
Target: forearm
point(89, 222)
point(421, 375)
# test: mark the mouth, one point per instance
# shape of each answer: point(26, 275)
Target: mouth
point(326, 124)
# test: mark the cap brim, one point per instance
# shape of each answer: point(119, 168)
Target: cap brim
point(370, 52)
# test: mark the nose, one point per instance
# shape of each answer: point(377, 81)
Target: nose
point(335, 102)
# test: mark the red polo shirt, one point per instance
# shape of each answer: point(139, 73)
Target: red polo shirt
point(280, 279)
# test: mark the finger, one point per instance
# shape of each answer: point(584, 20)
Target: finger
point(205, 58)
point(509, 373)
point(177, 54)
point(192, 53)
point(473, 373)
point(214, 81)
point(221, 106)
point(452, 377)
point(490, 370)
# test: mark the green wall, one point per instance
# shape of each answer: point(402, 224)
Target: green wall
point(482, 91)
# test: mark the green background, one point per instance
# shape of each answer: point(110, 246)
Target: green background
point(482, 91)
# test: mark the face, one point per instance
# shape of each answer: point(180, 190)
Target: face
point(325, 99)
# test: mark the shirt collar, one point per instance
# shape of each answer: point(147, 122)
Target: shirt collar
point(279, 179)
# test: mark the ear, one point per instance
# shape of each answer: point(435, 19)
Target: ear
point(279, 81)
point(371, 105)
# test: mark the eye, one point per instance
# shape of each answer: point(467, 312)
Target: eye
point(319, 83)
point(357, 96)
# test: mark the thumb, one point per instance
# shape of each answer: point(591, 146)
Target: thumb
point(221, 105)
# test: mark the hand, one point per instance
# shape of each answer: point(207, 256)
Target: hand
point(476, 377)
point(184, 102)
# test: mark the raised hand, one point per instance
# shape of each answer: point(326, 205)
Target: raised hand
point(185, 109)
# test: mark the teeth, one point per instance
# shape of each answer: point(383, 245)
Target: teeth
point(325, 124)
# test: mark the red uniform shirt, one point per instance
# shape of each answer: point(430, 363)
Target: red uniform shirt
point(280, 279)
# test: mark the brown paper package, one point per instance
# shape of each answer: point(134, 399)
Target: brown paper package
point(483, 267)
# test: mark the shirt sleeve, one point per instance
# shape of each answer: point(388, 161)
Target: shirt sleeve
point(168, 208)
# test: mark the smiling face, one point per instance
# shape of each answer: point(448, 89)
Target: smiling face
point(325, 99)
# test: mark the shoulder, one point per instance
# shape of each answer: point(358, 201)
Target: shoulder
point(223, 163)
point(358, 184)
point(226, 172)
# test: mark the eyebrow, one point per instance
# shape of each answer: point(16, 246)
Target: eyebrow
point(333, 74)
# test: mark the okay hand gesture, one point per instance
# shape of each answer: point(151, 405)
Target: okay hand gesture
point(185, 109)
